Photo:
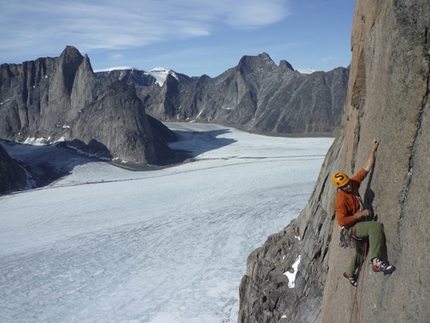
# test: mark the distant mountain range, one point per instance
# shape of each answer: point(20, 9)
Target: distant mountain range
point(115, 114)
point(256, 95)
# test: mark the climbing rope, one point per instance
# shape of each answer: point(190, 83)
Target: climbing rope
point(362, 283)
point(360, 301)
point(354, 299)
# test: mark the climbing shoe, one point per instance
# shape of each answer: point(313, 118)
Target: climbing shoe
point(352, 280)
point(379, 266)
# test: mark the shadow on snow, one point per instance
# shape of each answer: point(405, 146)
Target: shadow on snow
point(195, 143)
point(46, 164)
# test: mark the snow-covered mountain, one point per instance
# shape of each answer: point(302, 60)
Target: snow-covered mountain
point(257, 95)
point(108, 245)
point(158, 73)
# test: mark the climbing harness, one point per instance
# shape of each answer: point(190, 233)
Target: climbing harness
point(346, 239)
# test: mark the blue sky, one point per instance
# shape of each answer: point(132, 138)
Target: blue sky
point(193, 37)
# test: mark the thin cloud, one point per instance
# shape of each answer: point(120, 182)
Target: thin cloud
point(115, 57)
point(256, 13)
point(47, 26)
point(330, 58)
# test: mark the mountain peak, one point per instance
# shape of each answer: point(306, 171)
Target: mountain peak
point(261, 61)
point(71, 53)
point(283, 64)
point(160, 74)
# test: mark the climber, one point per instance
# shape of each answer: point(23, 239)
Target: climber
point(351, 216)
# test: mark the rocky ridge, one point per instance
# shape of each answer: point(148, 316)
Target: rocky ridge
point(388, 99)
point(256, 95)
point(62, 99)
point(114, 114)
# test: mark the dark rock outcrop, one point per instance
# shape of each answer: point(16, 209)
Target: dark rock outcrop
point(12, 176)
point(388, 99)
point(256, 95)
point(61, 98)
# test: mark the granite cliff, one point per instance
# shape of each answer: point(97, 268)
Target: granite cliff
point(388, 99)
point(61, 98)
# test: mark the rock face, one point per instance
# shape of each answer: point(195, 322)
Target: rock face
point(62, 98)
point(256, 95)
point(388, 99)
point(12, 176)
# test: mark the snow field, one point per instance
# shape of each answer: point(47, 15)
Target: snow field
point(109, 245)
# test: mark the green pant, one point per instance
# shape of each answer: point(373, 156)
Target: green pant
point(374, 231)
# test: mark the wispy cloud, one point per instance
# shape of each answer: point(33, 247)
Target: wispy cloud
point(46, 26)
point(330, 58)
point(114, 57)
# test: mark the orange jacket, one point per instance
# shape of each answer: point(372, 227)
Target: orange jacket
point(346, 204)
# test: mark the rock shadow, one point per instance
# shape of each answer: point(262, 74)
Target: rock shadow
point(194, 143)
point(45, 164)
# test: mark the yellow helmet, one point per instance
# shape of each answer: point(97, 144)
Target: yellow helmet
point(340, 179)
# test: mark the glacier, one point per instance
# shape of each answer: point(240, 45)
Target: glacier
point(104, 244)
